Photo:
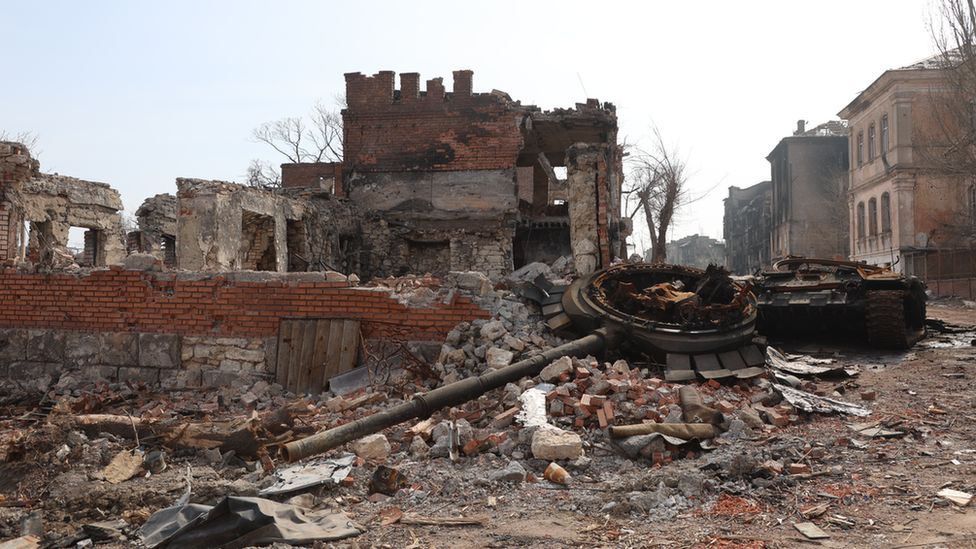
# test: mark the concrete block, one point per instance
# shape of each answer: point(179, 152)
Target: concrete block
point(159, 350)
point(13, 345)
point(45, 346)
point(81, 349)
point(99, 372)
point(23, 371)
point(149, 376)
point(119, 348)
point(217, 378)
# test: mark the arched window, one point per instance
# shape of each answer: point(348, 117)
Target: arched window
point(884, 134)
point(873, 216)
point(871, 142)
point(860, 219)
point(885, 213)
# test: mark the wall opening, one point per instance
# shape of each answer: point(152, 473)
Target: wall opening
point(167, 244)
point(428, 256)
point(296, 240)
point(258, 242)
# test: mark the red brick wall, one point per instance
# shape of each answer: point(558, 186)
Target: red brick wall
point(136, 301)
point(307, 174)
point(435, 131)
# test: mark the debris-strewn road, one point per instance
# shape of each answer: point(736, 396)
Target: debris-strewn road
point(863, 481)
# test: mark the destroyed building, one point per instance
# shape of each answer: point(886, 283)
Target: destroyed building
point(38, 211)
point(696, 251)
point(907, 208)
point(431, 181)
point(746, 227)
point(809, 193)
point(156, 233)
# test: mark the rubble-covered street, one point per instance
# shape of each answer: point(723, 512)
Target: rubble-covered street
point(90, 463)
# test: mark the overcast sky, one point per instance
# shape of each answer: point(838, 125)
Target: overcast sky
point(136, 94)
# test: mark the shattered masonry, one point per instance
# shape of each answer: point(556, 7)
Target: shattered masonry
point(433, 181)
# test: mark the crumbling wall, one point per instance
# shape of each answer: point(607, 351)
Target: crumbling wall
point(16, 167)
point(219, 224)
point(582, 174)
point(323, 176)
point(182, 329)
point(156, 218)
point(53, 204)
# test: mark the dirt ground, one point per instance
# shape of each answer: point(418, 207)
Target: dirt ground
point(861, 491)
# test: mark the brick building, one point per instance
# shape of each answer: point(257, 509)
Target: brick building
point(747, 226)
point(902, 211)
point(809, 193)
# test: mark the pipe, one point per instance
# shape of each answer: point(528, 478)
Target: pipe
point(453, 394)
point(685, 431)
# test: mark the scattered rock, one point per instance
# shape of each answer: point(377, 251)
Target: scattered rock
point(553, 443)
point(371, 447)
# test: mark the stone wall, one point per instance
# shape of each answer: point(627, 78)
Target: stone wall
point(189, 328)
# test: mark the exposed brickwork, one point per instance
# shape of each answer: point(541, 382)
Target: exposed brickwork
point(413, 130)
point(311, 174)
point(134, 301)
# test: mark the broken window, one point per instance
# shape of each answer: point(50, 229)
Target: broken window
point(428, 256)
point(860, 219)
point(872, 217)
point(168, 245)
point(258, 242)
point(884, 134)
point(870, 142)
point(297, 245)
point(885, 213)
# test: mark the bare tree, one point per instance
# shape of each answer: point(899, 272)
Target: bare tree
point(313, 138)
point(27, 139)
point(263, 175)
point(946, 144)
point(657, 190)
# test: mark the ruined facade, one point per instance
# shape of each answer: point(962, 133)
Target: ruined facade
point(468, 181)
point(696, 251)
point(901, 212)
point(746, 227)
point(156, 235)
point(809, 193)
point(39, 210)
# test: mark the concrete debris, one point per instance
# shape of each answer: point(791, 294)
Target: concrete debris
point(553, 443)
point(371, 447)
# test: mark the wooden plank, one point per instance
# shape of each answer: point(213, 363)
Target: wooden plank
point(333, 355)
point(294, 358)
point(316, 378)
point(305, 359)
point(284, 351)
point(350, 346)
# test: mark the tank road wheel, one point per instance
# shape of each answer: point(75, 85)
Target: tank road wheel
point(890, 321)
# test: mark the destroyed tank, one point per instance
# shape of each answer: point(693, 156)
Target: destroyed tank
point(662, 308)
point(803, 297)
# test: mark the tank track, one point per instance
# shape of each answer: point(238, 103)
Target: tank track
point(885, 320)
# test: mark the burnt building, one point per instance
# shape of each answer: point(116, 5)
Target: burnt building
point(747, 226)
point(471, 181)
point(431, 181)
point(697, 251)
point(809, 193)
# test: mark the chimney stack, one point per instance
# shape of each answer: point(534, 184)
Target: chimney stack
point(801, 126)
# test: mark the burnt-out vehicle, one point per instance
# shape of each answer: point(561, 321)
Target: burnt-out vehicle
point(803, 297)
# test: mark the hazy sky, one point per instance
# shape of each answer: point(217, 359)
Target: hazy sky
point(136, 94)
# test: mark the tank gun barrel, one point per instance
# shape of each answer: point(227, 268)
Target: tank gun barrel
point(452, 394)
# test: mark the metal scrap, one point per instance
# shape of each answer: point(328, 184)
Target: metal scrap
point(805, 365)
point(809, 402)
point(310, 475)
